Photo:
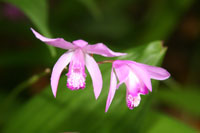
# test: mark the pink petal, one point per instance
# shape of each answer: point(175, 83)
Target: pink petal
point(80, 43)
point(62, 62)
point(57, 42)
point(113, 86)
point(133, 84)
point(142, 74)
point(156, 72)
point(102, 49)
point(95, 74)
point(122, 71)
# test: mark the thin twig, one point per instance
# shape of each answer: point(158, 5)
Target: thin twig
point(21, 87)
point(105, 61)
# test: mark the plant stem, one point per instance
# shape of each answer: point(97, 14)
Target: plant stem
point(21, 87)
point(105, 61)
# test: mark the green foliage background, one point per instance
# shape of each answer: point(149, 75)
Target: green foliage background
point(130, 26)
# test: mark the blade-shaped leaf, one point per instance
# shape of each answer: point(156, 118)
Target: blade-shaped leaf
point(185, 98)
point(37, 12)
point(166, 124)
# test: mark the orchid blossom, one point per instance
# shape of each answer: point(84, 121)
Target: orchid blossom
point(78, 56)
point(137, 78)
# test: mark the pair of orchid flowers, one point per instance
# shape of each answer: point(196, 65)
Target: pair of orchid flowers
point(136, 76)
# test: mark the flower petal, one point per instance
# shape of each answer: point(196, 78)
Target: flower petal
point(80, 43)
point(57, 42)
point(142, 74)
point(62, 62)
point(113, 86)
point(103, 50)
point(122, 70)
point(156, 72)
point(133, 84)
point(95, 74)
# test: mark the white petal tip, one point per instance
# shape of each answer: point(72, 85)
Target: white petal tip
point(33, 30)
point(37, 35)
point(168, 75)
point(118, 54)
point(107, 107)
point(96, 96)
point(54, 94)
point(123, 54)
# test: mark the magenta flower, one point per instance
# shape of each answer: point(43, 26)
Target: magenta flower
point(137, 78)
point(78, 56)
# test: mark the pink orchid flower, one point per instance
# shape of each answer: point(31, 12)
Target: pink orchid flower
point(78, 56)
point(137, 78)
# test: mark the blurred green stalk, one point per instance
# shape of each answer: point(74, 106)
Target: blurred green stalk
point(21, 87)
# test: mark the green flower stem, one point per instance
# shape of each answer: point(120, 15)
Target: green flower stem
point(52, 51)
point(44, 30)
point(21, 87)
point(105, 61)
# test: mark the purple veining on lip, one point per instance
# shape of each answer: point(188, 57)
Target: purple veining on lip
point(132, 101)
point(76, 74)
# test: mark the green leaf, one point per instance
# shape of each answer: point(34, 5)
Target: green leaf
point(22, 57)
point(37, 12)
point(185, 98)
point(93, 8)
point(161, 19)
point(166, 124)
point(78, 111)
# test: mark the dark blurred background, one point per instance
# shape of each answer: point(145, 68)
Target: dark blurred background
point(120, 24)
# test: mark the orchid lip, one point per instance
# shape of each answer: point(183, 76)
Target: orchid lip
point(132, 101)
point(76, 74)
point(76, 81)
